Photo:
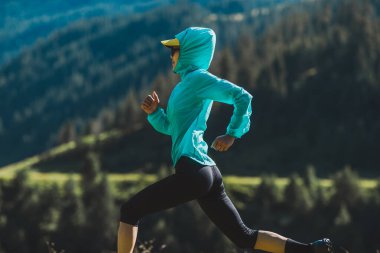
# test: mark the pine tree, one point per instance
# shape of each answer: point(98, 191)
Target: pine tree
point(133, 113)
point(2, 128)
point(347, 188)
point(297, 197)
point(45, 216)
point(246, 57)
point(107, 119)
point(129, 113)
point(267, 194)
point(312, 183)
point(227, 66)
point(100, 222)
point(18, 208)
point(343, 217)
point(266, 198)
point(377, 193)
point(105, 214)
point(67, 133)
point(1, 200)
point(2, 217)
point(162, 86)
point(71, 221)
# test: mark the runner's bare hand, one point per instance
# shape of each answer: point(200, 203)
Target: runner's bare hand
point(223, 142)
point(150, 103)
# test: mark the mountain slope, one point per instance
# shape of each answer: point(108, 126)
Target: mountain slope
point(313, 74)
point(76, 72)
point(23, 22)
point(91, 65)
point(316, 98)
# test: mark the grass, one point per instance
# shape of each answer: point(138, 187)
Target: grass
point(61, 178)
point(117, 180)
point(85, 141)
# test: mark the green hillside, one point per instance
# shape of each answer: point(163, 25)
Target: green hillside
point(50, 167)
point(88, 68)
point(76, 72)
point(313, 72)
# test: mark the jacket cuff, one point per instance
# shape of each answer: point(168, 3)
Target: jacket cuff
point(234, 134)
point(153, 114)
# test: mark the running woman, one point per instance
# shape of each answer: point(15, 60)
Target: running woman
point(196, 174)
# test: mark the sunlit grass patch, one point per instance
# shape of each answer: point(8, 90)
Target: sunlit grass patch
point(9, 170)
point(88, 140)
point(61, 178)
point(252, 181)
point(368, 183)
point(92, 139)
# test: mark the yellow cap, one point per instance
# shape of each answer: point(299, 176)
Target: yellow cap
point(171, 43)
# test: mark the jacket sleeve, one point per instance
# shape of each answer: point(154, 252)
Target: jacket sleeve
point(159, 121)
point(211, 87)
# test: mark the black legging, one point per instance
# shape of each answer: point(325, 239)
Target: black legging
point(191, 181)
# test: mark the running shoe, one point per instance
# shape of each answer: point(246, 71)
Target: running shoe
point(322, 246)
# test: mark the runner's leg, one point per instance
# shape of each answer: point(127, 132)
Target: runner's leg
point(185, 185)
point(220, 209)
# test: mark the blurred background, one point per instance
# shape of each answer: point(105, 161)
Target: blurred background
point(74, 143)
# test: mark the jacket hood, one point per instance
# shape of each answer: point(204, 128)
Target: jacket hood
point(197, 45)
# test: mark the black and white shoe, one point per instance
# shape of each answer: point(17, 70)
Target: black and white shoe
point(322, 246)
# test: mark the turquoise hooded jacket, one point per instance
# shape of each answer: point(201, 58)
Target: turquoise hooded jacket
point(191, 100)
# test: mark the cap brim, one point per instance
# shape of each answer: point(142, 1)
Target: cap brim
point(171, 43)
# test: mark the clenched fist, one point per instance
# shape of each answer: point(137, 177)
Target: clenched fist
point(150, 103)
point(223, 142)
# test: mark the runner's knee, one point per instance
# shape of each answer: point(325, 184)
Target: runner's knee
point(128, 214)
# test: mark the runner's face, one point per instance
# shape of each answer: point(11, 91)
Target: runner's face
point(174, 56)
